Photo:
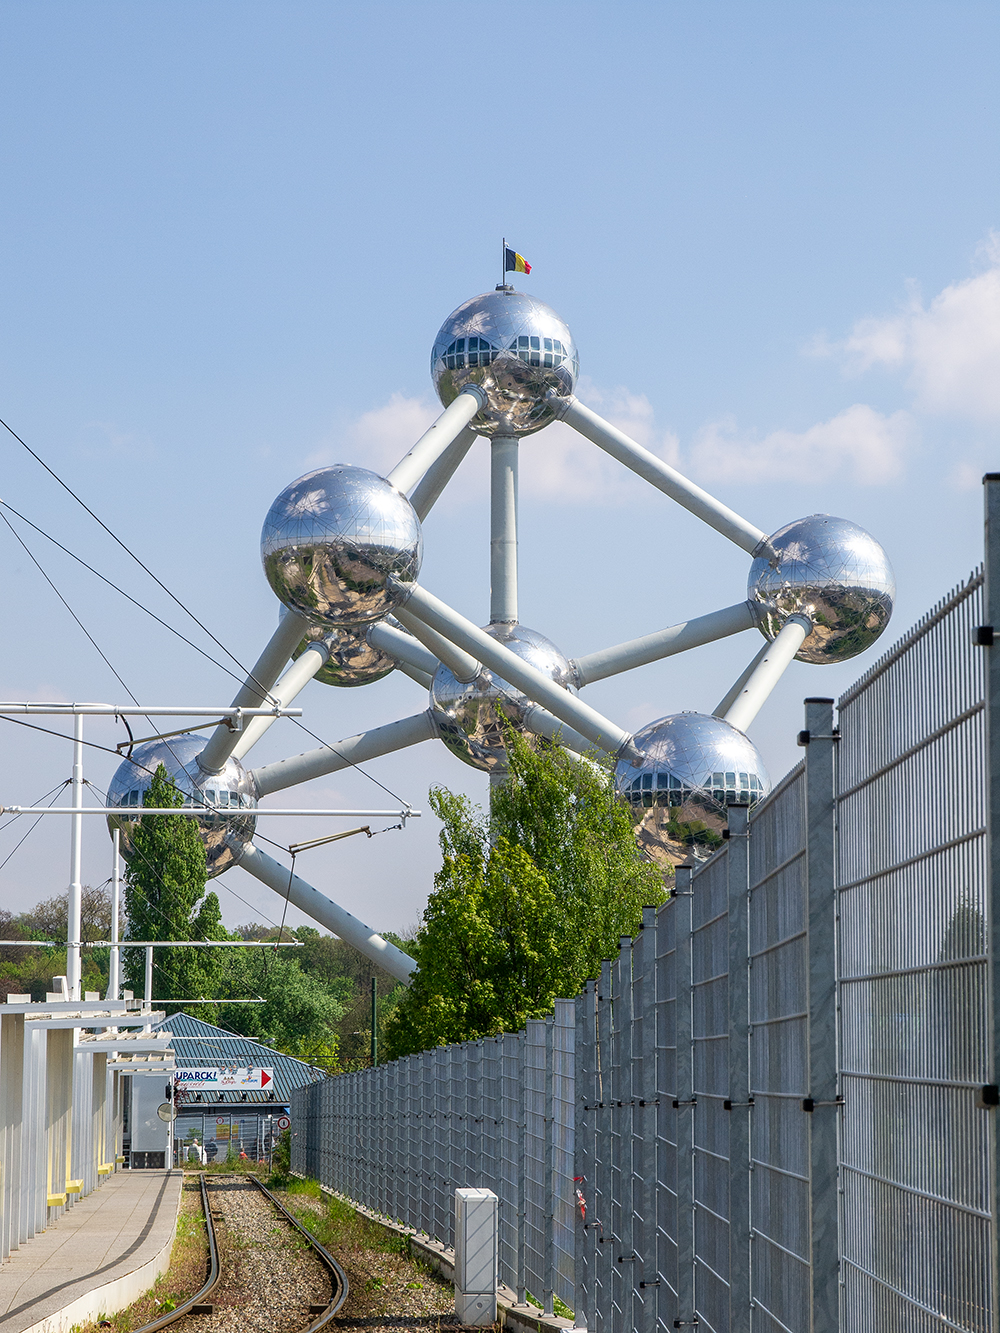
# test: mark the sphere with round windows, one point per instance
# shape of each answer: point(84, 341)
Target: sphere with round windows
point(689, 768)
point(831, 571)
point(468, 713)
point(331, 541)
point(517, 350)
point(229, 798)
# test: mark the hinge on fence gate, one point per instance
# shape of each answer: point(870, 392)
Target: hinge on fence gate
point(804, 737)
point(988, 1096)
point(727, 1105)
point(677, 1103)
point(982, 636)
point(810, 1103)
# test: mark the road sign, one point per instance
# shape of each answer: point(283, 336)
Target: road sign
point(283, 1122)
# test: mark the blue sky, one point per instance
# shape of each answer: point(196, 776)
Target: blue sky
point(232, 230)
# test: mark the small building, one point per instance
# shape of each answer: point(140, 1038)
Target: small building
point(215, 1121)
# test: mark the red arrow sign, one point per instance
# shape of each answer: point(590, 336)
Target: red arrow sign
point(265, 1078)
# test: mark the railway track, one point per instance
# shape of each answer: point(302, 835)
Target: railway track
point(280, 1277)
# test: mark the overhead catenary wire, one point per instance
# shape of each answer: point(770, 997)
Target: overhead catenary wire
point(319, 739)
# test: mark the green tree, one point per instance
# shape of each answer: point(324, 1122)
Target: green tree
point(165, 899)
point(527, 903)
point(299, 1013)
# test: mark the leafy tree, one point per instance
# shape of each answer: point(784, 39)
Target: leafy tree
point(300, 1012)
point(528, 901)
point(165, 899)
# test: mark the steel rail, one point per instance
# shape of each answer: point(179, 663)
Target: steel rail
point(214, 1272)
point(341, 1286)
point(339, 1281)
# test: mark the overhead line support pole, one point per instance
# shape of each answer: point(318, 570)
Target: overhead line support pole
point(73, 923)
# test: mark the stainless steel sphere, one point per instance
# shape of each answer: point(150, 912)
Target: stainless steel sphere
point(332, 539)
point(225, 839)
point(517, 349)
point(835, 573)
point(692, 767)
point(468, 713)
point(352, 661)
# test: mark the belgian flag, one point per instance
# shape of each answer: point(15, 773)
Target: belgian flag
point(515, 263)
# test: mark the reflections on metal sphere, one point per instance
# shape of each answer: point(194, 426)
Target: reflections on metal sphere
point(225, 839)
point(467, 713)
point(332, 539)
point(692, 767)
point(352, 661)
point(835, 573)
point(517, 349)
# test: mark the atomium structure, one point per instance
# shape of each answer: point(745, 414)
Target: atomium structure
point(342, 549)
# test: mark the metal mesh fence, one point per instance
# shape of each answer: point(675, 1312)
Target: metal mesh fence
point(768, 1114)
point(914, 993)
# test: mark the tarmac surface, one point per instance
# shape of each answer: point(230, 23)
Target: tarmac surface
point(98, 1257)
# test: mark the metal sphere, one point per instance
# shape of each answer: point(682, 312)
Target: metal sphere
point(692, 767)
point(517, 349)
point(225, 839)
point(332, 539)
point(467, 713)
point(835, 573)
point(352, 661)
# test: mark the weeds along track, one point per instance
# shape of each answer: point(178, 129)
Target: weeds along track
point(267, 1274)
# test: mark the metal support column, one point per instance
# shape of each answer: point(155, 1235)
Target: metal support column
point(991, 609)
point(73, 925)
point(503, 529)
point(738, 863)
point(823, 1082)
point(684, 1093)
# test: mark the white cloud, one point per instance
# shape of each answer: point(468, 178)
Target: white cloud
point(859, 443)
point(379, 438)
point(951, 347)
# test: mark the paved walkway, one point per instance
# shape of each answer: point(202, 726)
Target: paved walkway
point(101, 1255)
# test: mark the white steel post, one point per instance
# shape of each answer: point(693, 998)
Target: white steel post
point(114, 962)
point(503, 529)
point(147, 994)
point(354, 750)
point(73, 924)
point(295, 679)
point(437, 439)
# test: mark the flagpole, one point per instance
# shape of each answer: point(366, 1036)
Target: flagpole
point(503, 263)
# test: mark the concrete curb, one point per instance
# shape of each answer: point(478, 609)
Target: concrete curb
point(441, 1258)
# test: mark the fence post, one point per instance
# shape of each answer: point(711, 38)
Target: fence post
point(602, 1299)
point(738, 870)
point(824, 1252)
point(548, 1188)
point(991, 610)
point(644, 1118)
point(585, 1094)
point(522, 1203)
point(684, 1094)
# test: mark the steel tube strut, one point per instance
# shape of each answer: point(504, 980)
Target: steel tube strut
point(327, 913)
point(425, 494)
point(461, 665)
point(540, 689)
point(295, 679)
point(659, 474)
point(768, 671)
point(736, 689)
point(503, 529)
point(354, 750)
point(435, 441)
point(268, 667)
point(402, 647)
point(665, 642)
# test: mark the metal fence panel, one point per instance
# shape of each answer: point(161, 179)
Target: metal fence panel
point(916, 1023)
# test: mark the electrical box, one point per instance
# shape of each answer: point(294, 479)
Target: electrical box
point(476, 1256)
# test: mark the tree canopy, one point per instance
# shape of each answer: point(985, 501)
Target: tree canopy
point(528, 901)
point(165, 899)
